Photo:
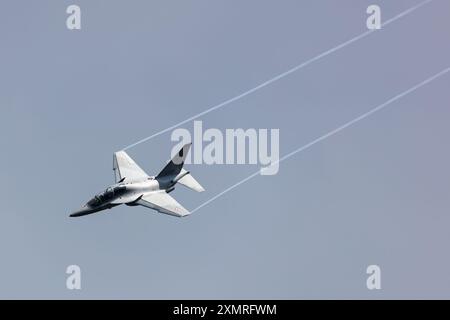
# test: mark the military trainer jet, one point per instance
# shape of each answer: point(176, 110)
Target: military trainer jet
point(134, 187)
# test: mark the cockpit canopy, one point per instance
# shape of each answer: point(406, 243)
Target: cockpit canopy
point(107, 196)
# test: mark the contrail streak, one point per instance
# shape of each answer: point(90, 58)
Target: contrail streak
point(280, 76)
point(329, 134)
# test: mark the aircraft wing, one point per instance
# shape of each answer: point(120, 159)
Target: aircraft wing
point(164, 203)
point(125, 167)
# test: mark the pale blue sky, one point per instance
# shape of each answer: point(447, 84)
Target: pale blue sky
point(377, 193)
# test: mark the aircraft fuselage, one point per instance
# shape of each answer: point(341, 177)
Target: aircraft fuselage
point(134, 187)
point(117, 194)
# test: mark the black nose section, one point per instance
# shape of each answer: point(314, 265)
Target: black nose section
point(82, 212)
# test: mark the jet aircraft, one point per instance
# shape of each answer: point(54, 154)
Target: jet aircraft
point(134, 187)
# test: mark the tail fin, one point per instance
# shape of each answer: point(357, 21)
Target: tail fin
point(188, 181)
point(173, 168)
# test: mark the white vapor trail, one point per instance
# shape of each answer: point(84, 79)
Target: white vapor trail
point(330, 133)
point(280, 76)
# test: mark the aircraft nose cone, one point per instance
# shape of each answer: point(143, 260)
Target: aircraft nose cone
point(83, 211)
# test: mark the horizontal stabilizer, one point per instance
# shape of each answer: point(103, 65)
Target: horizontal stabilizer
point(189, 181)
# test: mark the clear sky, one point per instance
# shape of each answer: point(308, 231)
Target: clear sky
point(376, 193)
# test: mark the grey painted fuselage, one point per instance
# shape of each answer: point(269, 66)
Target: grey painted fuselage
point(117, 194)
point(134, 187)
